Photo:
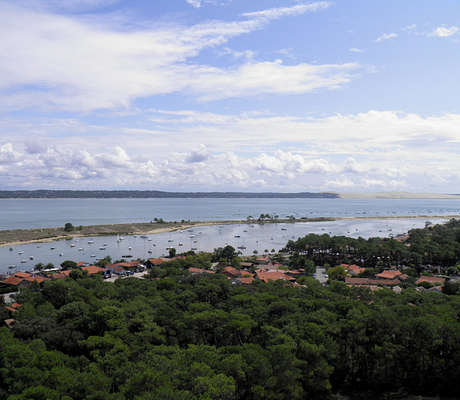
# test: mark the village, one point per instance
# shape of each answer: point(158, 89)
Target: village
point(266, 268)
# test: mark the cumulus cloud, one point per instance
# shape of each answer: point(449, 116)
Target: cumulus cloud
point(367, 151)
point(86, 64)
point(198, 155)
point(356, 50)
point(386, 36)
point(443, 31)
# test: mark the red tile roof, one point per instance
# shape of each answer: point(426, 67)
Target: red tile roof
point(246, 281)
point(353, 268)
point(430, 279)
point(389, 274)
point(59, 275)
point(246, 264)
point(272, 276)
point(23, 274)
point(132, 264)
point(92, 269)
point(156, 261)
point(38, 279)
point(366, 281)
point(200, 271)
point(12, 280)
point(232, 271)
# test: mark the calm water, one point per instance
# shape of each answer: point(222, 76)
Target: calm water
point(206, 238)
point(36, 213)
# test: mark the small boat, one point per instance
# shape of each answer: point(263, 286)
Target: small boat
point(149, 240)
point(90, 241)
point(237, 236)
point(130, 248)
point(11, 266)
point(105, 244)
point(23, 261)
point(181, 244)
point(102, 248)
point(149, 251)
point(31, 257)
point(80, 249)
point(144, 237)
point(194, 248)
point(283, 229)
point(20, 252)
point(242, 247)
point(127, 256)
point(170, 240)
point(61, 254)
point(93, 255)
point(11, 249)
point(52, 248)
point(72, 245)
point(195, 241)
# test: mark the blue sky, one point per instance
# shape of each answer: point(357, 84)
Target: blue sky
point(273, 95)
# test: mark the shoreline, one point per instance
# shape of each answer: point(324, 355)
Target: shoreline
point(47, 235)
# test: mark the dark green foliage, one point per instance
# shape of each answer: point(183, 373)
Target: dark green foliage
point(434, 245)
point(198, 337)
point(68, 227)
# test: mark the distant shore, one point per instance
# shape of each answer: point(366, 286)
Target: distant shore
point(157, 194)
point(43, 235)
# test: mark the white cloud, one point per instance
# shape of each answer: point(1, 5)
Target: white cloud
point(443, 31)
point(356, 50)
point(81, 65)
point(376, 150)
point(386, 36)
point(194, 3)
point(275, 13)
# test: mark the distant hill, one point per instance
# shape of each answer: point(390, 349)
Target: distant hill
point(146, 194)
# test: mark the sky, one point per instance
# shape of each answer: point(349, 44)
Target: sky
point(230, 95)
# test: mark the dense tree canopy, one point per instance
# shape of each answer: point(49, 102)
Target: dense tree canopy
point(200, 337)
point(438, 244)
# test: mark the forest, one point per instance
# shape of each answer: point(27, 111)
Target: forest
point(433, 245)
point(188, 337)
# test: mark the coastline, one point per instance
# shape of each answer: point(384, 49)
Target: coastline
point(47, 235)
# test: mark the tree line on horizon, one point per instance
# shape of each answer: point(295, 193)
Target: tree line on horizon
point(56, 194)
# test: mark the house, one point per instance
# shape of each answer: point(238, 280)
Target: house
point(245, 264)
point(10, 322)
point(91, 270)
point(231, 271)
point(154, 262)
point(262, 260)
point(13, 307)
point(374, 282)
point(431, 279)
point(195, 271)
point(353, 269)
point(389, 274)
point(23, 275)
point(267, 276)
point(14, 281)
